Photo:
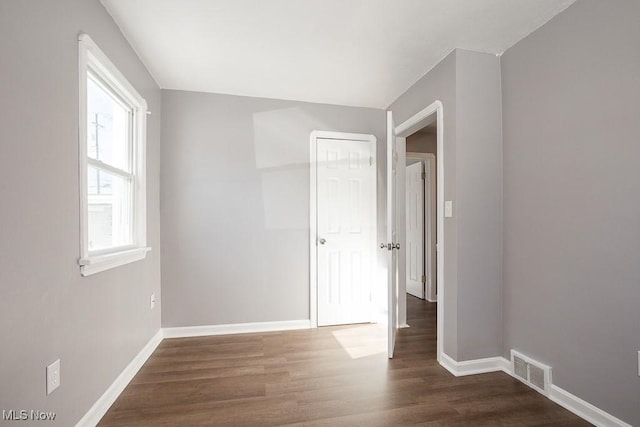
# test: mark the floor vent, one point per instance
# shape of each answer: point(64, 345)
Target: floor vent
point(533, 373)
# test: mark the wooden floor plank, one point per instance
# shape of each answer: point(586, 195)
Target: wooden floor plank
point(332, 376)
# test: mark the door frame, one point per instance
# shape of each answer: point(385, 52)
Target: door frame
point(429, 162)
point(408, 127)
point(313, 212)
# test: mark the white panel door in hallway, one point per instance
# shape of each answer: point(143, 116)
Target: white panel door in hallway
point(415, 229)
point(346, 230)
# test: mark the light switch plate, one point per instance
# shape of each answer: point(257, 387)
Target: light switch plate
point(448, 209)
point(53, 376)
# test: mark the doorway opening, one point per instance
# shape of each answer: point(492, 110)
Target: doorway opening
point(420, 215)
point(420, 150)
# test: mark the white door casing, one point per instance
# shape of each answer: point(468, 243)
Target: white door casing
point(415, 268)
point(345, 228)
point(392, 238)
point(430, 227)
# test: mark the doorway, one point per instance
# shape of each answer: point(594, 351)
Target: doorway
point(432, 114)
point(421, 223)
point(343, 228)
point(418, 144)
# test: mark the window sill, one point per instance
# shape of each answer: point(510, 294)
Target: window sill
point(96, 264)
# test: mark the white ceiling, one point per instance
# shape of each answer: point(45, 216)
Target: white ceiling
point(348, 52)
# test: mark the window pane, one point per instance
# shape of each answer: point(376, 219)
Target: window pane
point(110, 210)
point(99, 182)
point(108, 127)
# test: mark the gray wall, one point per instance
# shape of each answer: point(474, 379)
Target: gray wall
point(235, 204)
point(95, 324)
point(479, 204)
point(571, 97)
point(468, 84)
point(422, 142)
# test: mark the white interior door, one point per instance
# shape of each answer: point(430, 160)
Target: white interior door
point(391, 245)
point(346, 230)
point(415, 229)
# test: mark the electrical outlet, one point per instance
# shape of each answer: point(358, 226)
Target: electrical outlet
point(153, 301)
point(53, 376)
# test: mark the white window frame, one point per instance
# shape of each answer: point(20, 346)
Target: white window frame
point(91, 262)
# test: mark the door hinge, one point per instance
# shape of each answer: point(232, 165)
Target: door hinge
point(424, 175)
point(424, 279)
point(370, 160)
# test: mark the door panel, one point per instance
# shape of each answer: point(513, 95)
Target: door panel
point(346, 231)
point(415, 229)
point(392, 238)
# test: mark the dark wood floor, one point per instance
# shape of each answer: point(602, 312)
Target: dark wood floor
point(332, 376)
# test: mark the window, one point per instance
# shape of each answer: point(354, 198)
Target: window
point(112, 164)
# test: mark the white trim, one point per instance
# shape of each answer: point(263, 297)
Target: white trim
point(103, 66)
point(91, 57)
point(235, 328)
point(102, 405)
point(418, 121)
point(401, 230)
point(313, 211)
point(409, 126)
point(570, 402)
point(83, 60)
point(584, 409)
point(345, 136)
point(96, 264)
point(97, 164)
point(473, 367)
point(313, 231)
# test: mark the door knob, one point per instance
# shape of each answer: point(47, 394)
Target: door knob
point(396, 246)
point(322, 241)
point(387, 246)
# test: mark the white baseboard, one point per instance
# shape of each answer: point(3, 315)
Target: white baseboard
point(581, 408)
point(473, 367)
point(236, 328)
point(97, 411)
